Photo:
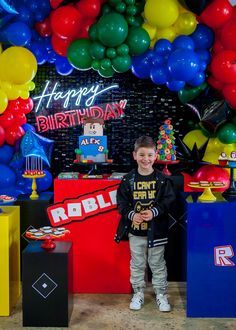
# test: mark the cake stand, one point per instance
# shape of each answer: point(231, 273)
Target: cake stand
point(207, 195)
point(166, 163)
point(47, 236)
point(34, 194)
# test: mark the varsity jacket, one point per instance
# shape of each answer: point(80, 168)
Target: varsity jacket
point(158, 226)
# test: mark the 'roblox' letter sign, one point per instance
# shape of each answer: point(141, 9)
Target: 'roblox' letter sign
point(82, 207)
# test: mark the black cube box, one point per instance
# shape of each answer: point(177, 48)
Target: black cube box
point(46, 285)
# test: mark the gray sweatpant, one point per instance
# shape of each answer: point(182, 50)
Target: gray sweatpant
point(140, 255)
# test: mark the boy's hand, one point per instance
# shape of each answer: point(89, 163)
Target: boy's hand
point(146, 215)
point(137, 219)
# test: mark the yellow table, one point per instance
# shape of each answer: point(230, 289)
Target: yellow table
point(9, 258)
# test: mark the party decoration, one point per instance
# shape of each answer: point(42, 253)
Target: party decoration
point(17, 65)
point(34, 145)
point(194, 136)
point(214, 115)
point(212, 173)
point(227, 133)
point(78, 54)
point(8, 6)
point(188, 94)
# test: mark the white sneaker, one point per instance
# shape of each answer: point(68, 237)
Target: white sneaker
point(137, 301)
point(162, 303)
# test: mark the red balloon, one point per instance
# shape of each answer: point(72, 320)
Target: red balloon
point(212, 173)
point(229, 93)
point(20, 119)
point(223, 66)
point(2, 136)
point(13, 133)
point(66, 21)
point(7, 119)
point(217, 47)
point(60, 45)
point(217, 13)
point(89, 8)
point(26, 106)
point(83, 33)
point(228, 35)
point(44, 27)
point(215, 83)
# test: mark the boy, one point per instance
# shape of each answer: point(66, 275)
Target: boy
point(144, 197)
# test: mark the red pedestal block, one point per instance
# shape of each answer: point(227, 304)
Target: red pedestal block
point(99, 264)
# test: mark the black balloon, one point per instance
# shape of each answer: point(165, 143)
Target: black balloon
point(214, 115)
point(195, 6)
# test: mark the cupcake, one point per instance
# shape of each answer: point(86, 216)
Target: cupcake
point(223, 160)
point(232, 159)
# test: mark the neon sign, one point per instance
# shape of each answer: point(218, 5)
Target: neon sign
point(74, 96)
point(75, 117)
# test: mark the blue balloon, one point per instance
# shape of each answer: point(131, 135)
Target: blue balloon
point(183, 42)
point(25, 15)
point(203, 37)
point(183, 64)
point(63, 66)
point(17, 162)
point(159, 75)
point(204, 55)
point(6, 154)
point(163, 46)
point(175, 85)
point(141, 66)
point(44, 183)
point(198, 79)
point(28, 127)
point(158, 60)
point(39, 51)
point(7, 176)
point(8, 6)
point(18, 33)
point(12, 191)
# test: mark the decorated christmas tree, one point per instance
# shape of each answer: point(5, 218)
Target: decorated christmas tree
point(166, 149)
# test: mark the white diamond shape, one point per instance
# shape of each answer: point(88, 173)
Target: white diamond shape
point(44, 296)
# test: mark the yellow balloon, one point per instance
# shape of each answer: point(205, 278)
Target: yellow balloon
point(214, 145)
point(24, 94)
point(31, 86)
point(186, 23)
point(11, 90)
point(0, 48)
point(228, 148)
point(3, 101)
point(161, 13)
point(152, 43)
point(195, 136)
point(17, 65)
point(167, 33)
point(151, 30)
point(211, 157)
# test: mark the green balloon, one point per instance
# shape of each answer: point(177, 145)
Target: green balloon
point(131, 10)
point(138, 40)
point(96, 65)
point(112, 29)
point(106, 73)
point(121, 7)
point(105, 63)
point(93, 33)
point(97, 50)
point(130, 2)
point(187, 94)
point(78, 54)
point(123, 49)
point(227, 133)
point(111, 52)
point(106, 9)
point(121, 63)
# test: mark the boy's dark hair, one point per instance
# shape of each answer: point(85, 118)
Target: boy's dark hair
point(144, 142)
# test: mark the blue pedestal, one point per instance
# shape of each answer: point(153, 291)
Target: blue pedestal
point(211, 263)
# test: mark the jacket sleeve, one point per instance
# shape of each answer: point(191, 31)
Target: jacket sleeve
point(165, 197)
point(124, 200)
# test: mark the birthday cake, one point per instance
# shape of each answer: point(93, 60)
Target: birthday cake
point(166, 149)
point(92, 145)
